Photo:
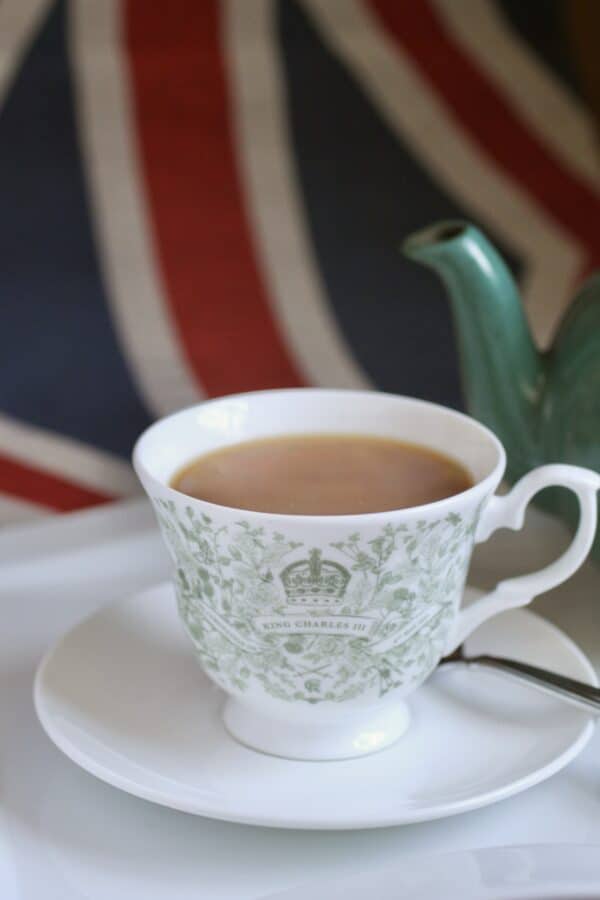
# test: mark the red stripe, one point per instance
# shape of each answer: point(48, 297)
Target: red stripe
point(491, 121)
point(27, 483)
point(202, 235)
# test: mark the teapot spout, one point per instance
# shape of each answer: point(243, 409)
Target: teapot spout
point(502, 372)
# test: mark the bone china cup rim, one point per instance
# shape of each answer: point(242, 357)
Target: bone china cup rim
point(482, 486)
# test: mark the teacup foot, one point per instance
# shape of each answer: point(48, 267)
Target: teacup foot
point(341, 740)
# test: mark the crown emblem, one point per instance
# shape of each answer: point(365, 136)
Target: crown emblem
point(315, 582)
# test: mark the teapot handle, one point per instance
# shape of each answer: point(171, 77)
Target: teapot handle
point(508, 511)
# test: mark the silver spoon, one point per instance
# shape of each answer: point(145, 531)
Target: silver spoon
point(570, 690)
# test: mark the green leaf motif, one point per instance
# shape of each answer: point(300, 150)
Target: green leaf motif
point(328, 623)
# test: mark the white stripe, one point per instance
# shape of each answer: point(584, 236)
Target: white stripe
point(135, 289)
point(296, 291)
point(14, 511)
point(19, 22)
point(552, 112)
point(416, 114)
point(66, 458)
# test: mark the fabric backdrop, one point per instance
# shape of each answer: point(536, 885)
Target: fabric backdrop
point(199, 197)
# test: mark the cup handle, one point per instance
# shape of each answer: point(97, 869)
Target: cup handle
point(508, 511)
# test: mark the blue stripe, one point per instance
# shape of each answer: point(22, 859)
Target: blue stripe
point(542, 26)
point(364, 191)
point(61, 367)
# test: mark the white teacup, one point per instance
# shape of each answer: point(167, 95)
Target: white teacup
point(318, 627)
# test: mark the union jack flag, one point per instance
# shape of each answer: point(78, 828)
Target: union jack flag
point(204, 197)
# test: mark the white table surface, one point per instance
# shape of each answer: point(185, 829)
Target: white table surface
point(66, 836)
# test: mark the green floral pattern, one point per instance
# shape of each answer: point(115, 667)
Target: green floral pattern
point(317, 624)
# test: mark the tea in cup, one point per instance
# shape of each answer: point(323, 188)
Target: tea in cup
point(321, 541)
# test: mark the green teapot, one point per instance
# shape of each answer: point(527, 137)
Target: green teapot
point(545, 407)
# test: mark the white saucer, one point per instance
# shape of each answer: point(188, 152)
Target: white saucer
point(123, 697)
point(554, 872)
